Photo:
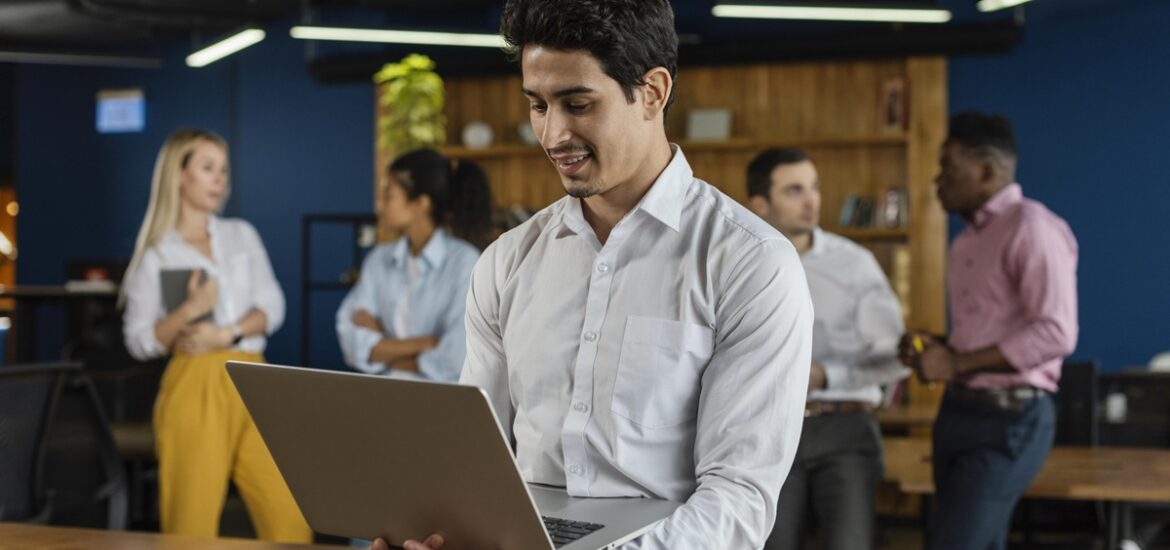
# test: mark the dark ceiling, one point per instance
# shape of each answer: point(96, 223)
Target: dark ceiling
point(141, 27)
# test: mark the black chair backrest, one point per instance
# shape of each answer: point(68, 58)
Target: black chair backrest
point(82, 467)
point(28, 396)
point(1076, 404)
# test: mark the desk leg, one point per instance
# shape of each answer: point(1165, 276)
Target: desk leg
point(924, 516)
point(1120, 526)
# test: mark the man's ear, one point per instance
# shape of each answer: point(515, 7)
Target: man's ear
point(759, 205)
point(656, 91)
point(988, 172)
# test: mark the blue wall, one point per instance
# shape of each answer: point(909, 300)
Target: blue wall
point(1089, 93)
point(1087, 90)
point(296, 146)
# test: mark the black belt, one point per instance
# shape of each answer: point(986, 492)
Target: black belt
point(818, 408)
point(1011, 398)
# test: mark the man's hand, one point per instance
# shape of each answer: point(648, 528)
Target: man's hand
point(938, 363)
point(364, 319)
point(816, 377)
point(203, 338)
point(913, 344)
point(433, 542)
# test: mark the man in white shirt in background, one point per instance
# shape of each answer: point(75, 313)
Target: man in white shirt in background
point(855, 336)
point(645, 335)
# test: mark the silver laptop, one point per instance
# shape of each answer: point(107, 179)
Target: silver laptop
point(369, 456)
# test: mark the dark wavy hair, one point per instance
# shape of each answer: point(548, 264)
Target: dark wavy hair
point(460, 197)
point(627, 37)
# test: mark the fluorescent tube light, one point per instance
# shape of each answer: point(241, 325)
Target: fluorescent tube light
point(225, 47)
point(993, 5)
point(825, 13)
point(398, 36)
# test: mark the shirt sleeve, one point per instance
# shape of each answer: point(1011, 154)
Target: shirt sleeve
point(143, 308)
point(268, 297)
point(486, 365)
point(445, 361)
point(879, 326)
point(751, 409)
point(357, 342)
point(1044, 258)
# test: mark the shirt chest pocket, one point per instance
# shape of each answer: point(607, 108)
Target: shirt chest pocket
point(659, 371)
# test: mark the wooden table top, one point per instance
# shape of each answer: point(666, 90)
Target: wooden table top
point(1070, 473)
point(20, 536)
point(908, 416)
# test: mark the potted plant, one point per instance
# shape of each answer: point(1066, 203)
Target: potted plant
point(410, 106)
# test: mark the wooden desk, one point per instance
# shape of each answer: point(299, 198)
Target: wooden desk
point(15, 535)
point(1119, 476)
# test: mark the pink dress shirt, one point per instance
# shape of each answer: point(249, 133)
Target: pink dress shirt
point(1012, 283)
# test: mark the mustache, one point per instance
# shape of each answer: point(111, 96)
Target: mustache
point(569, 149)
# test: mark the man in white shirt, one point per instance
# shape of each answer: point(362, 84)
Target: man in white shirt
point(645, 335)
point(855, 336)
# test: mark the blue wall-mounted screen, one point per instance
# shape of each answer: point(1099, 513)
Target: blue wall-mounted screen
point(120, 111)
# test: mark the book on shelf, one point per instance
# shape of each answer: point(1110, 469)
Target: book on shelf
point(886, 211)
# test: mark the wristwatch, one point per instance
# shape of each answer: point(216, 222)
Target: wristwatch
point(237, 335)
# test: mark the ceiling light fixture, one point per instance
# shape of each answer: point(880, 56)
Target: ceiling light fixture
point(398, 36)
point(225, 47)
point(47, 58)
point(993, 5)
point(833, 13)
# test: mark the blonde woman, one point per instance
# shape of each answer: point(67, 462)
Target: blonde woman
point(204, 436)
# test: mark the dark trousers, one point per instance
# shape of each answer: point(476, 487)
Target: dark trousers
point(833, 480)
point(984, 459)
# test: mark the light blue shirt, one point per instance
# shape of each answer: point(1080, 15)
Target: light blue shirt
point(431, 301)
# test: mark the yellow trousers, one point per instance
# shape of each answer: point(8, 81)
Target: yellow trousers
point(204, 436)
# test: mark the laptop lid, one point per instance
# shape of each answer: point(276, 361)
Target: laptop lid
point(368, 456)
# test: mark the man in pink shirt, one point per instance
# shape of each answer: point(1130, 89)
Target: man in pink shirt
point(1013, 304)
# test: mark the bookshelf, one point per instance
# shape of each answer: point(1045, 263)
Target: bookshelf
point(830, 109)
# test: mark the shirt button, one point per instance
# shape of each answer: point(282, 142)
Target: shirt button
point(603, 267)
point(580, 407)
point(575, 470)
point(590, 336)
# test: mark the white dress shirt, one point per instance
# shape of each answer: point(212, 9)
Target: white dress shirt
point(241, 268)
point(858, 320)
point(412, 297)
point(671, 362)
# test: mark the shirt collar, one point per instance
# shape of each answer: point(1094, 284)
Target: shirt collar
point(1002, 201)
point(433, 252)
point(818, 242)
point(212, 230)
point(663, 201)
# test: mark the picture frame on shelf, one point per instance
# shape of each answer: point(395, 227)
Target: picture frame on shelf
point(709, 124)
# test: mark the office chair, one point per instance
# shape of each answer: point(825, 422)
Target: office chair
point(82, 466)
point(28, 396)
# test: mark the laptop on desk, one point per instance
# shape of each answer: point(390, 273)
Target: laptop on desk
point(368, 456)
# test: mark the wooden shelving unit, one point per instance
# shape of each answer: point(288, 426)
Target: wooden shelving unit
point(830, 109)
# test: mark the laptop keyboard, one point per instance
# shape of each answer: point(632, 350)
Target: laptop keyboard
point(563, 531)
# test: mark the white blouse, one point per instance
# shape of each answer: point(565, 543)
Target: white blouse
point(241, 268)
